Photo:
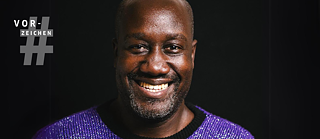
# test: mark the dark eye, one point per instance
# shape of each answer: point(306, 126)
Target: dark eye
point(172, 49)
point(139, 48)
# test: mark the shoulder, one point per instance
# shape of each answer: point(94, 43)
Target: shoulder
point(80, 124)
point(218, 127)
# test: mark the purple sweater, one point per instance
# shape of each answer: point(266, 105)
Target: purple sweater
point(93, 124)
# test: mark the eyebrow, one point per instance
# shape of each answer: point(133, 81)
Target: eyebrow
point(176, 36)
point(140, 36)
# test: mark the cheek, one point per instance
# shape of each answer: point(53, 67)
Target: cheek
point(126, 63)
point(183, 67)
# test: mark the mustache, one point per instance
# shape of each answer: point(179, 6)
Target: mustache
point(173, 77)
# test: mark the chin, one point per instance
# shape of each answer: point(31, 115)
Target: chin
point(152, 109)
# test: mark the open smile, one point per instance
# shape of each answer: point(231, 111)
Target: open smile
point(154, 88)
point(157, 89)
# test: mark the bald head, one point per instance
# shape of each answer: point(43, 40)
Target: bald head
point(153, 8)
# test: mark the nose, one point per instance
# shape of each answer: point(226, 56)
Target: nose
point(155, 64)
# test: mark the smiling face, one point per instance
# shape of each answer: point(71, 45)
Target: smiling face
point(154, 57)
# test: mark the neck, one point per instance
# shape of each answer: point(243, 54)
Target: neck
point(159, 129)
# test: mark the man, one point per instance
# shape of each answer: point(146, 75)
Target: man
point(154, 59)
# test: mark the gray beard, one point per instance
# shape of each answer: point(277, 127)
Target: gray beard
point(154, 108)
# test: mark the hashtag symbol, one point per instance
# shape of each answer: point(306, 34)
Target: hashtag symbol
point(42, 48)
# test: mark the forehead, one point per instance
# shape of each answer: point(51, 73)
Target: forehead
point(155, 17)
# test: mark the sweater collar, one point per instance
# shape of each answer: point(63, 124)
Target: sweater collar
point(120, 131)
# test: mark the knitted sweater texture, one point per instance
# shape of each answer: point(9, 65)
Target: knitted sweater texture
point(88, 124)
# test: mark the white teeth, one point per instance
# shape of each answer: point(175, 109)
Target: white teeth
point(154, 88)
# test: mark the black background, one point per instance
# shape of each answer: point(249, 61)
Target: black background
point(256, 63)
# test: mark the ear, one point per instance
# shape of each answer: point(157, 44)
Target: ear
point(193, 54)
point(115, 51)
